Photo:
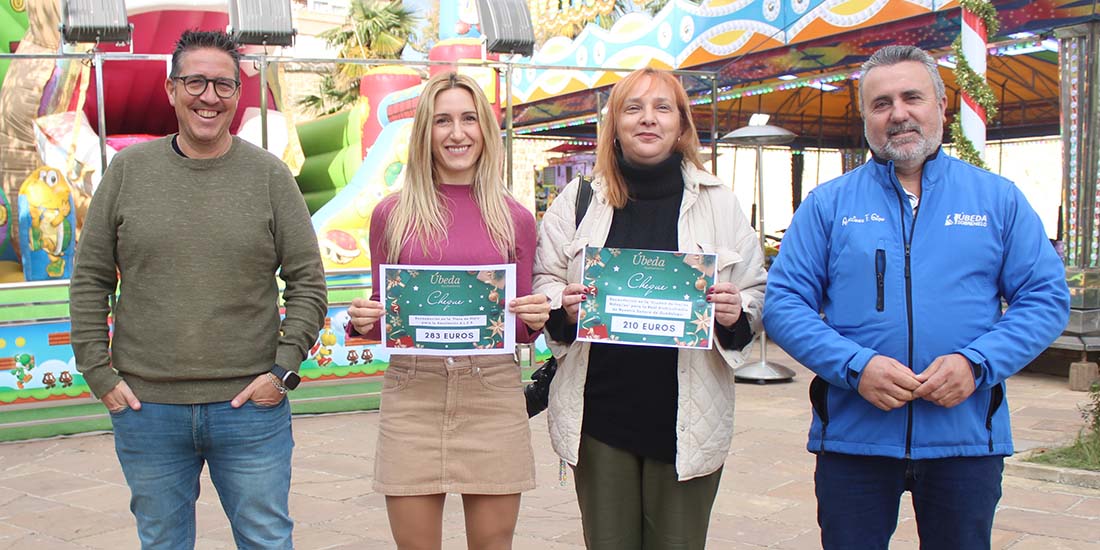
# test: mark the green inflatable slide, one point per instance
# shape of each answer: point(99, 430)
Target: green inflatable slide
point(13, 25)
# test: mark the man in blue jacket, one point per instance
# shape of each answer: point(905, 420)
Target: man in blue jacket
point(889, 287)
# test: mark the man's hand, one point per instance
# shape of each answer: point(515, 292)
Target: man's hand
point(948, 381)
point(120, 397)
point(533, 310)
point(364, 314)
point(887, 384)
point(571, 297)
point(261, 391)
point(727, 303)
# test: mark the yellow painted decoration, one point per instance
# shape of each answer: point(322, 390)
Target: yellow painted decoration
point(852, 7)
point(727, 38)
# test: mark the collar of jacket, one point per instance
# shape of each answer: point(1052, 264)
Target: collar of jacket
point(932, 172)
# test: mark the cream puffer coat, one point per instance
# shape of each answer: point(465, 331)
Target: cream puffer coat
point(711, 220)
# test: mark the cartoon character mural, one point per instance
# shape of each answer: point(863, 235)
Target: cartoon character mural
point(49, 380)
point(24, 364)
point(66, 379)
point(46, 221)
point(322, 350)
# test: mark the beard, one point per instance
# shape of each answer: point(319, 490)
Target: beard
point(915, 147)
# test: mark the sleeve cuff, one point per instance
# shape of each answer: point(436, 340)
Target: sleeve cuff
point(350, 332)
point(977, 364)
point(558, 327)
point(854, 372)
point(101, 381)
point(736, 337)
point(289, 358)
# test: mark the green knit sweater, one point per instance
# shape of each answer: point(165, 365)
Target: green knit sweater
point(197, 243)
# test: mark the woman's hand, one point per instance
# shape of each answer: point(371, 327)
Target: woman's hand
point(364, 314)
point(533, 310)
point(727, 303)
point(571, 297)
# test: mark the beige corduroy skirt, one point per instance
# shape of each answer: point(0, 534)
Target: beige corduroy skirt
point(453, 425)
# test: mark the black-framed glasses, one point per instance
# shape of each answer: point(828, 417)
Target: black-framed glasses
point(196, 84)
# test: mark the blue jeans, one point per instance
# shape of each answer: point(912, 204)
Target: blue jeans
point(162, 449)
point(953, 498)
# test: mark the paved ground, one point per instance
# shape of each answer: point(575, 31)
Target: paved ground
point(70, 494)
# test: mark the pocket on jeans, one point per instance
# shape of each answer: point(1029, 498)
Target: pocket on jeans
point(265, 406)
point(395, 378)
point(500, 378)
point(121, 412)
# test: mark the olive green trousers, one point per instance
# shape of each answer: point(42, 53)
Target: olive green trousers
point(629, 502)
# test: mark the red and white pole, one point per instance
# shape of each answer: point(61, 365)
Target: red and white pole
point(974, 48)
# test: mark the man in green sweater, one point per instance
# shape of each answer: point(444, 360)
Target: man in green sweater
point(192, 229)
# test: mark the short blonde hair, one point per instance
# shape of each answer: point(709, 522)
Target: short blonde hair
point(607, 146)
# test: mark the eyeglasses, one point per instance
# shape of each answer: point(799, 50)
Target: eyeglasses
point(195, 84)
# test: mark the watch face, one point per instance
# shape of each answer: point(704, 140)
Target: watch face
point(292, 380)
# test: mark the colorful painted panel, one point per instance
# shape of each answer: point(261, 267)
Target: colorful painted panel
point(747, 39)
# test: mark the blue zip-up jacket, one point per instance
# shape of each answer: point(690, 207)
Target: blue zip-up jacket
point(914, 288)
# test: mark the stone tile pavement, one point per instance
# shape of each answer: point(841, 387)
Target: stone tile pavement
point(69, 493)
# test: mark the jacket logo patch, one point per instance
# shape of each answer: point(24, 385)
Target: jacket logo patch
point(872, 217)
point(972, 220)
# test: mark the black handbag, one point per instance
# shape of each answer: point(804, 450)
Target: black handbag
point(537, 393)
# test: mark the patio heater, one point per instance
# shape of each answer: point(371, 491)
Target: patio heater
point(264, 23)
point(758, 136)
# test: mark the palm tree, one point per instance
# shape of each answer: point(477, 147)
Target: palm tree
point(330, 98)
point(375, 29)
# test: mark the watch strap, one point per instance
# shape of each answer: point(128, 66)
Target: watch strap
point(289, 379)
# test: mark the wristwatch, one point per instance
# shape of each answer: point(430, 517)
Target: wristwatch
point(289, 378)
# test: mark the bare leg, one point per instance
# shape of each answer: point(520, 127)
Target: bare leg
point(490, 520)
point(416, 521)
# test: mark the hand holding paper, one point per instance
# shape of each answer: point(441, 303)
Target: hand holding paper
point(533, 310)
point(364, 314)
point(726, 298)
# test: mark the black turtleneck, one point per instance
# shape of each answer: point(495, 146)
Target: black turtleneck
point(630, 395)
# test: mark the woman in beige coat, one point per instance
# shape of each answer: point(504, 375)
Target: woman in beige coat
point(647, 429)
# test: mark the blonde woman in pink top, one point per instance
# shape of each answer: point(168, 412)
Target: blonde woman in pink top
point(454, 424)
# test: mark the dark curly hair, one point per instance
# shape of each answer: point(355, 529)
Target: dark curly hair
point(195, 39)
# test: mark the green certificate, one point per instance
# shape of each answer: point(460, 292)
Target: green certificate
point(647, 298)
point(448, 310)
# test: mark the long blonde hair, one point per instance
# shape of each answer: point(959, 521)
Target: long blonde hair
point(607, 165)
point(419, 211)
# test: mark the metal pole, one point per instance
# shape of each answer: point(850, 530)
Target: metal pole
point(760, 194)
point(101, 111)
point(599, 112)
point(762, 372)
point(263, 100)
point(508, 123)
point(714, 123)
point(760, 226)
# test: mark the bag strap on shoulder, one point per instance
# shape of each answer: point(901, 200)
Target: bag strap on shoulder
point(584, 196)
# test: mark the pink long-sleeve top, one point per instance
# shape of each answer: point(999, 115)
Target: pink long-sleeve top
point(466, 242)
